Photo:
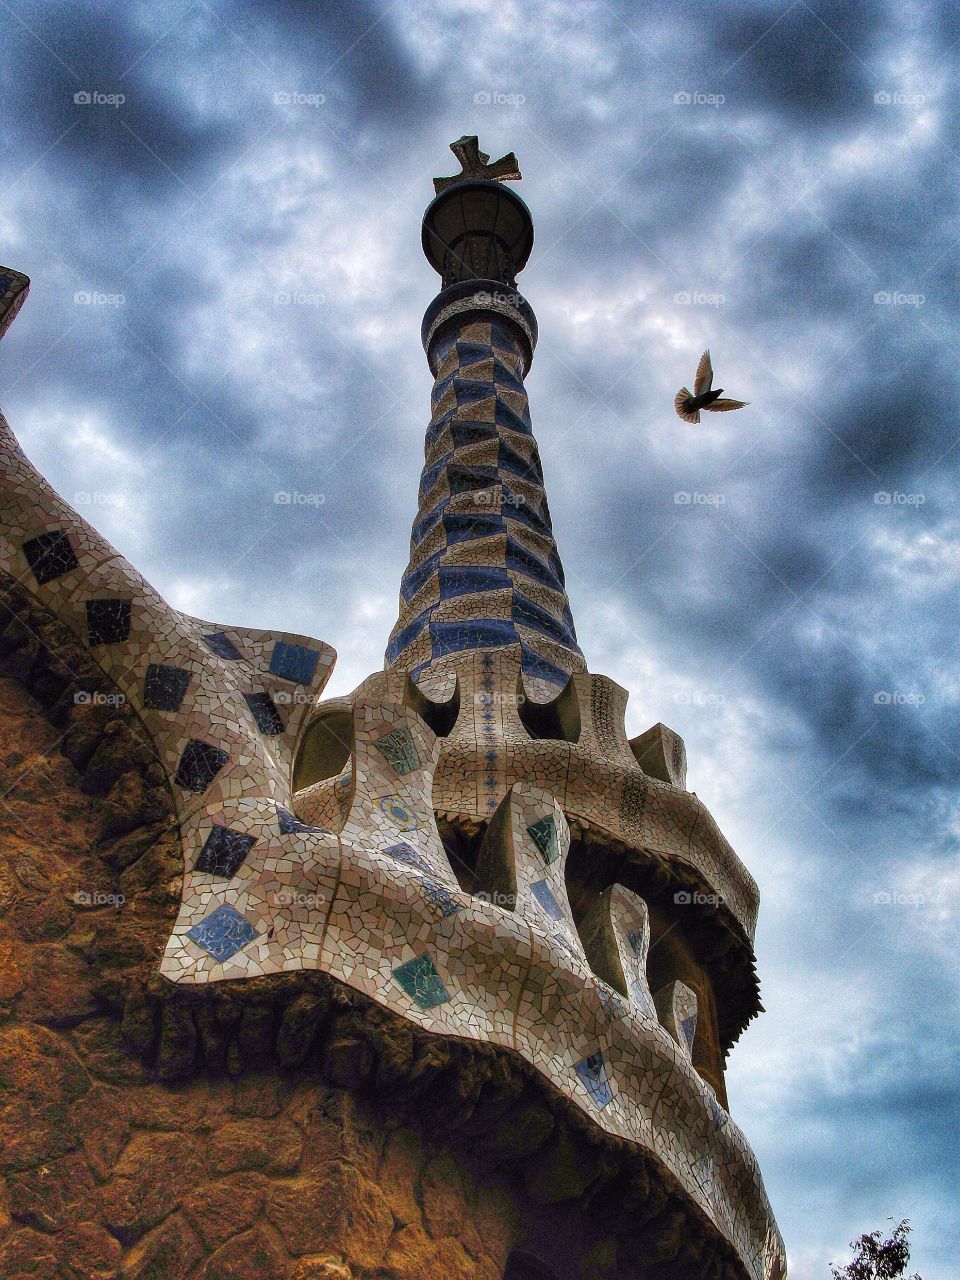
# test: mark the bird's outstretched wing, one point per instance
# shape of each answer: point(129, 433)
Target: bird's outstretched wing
point(724, 406)
point(680, 402)
point(704, 379)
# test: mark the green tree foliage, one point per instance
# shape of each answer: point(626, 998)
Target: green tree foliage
point(877, 1259)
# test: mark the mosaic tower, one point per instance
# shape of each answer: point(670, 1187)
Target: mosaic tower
point(456, 912)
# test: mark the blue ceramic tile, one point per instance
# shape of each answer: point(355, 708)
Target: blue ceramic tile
point(593, 1072)
point(108, 621)
point(544, 836)
point(290, 823)
point(224, 851)
point(406, 854)
point(199, 765)
point(265, 713)
point(164, 688)
point(421, 981)
point(544, 895)
point(222, 646)
point(398, 749)
point(223, 933)
point(49, 555)
point(294, 662)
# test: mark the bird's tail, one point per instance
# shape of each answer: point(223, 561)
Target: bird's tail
point(681, 403)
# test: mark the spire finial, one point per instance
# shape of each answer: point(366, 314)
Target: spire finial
point(475, 163)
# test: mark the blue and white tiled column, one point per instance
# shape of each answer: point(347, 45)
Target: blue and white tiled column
point(484, 571)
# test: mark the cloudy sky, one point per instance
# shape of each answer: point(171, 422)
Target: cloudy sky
point(222, 231)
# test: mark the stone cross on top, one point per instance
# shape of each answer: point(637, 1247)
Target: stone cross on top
point(476, 164)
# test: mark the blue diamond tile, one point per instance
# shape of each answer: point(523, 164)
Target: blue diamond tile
point(421, 981)
point(398, 749)
point(593, 1072)
point(223, 933)
point(544, 895)
point(406, 854)
point(222, 646)
point(224, 851)
point(199, 765)
point(294, 662)
point(612, 1003)
point(439, 897)
point(689, 1028)
point(635, 941)
point(164, 687)
point(265, 713)
point(108, 621)
point(544, 836)
point(50, 556)
point(290, 823)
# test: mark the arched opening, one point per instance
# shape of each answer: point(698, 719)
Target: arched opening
point(440, 716)
point(522, 1265)
point(557, 720)
point(670, 958)
point(325, 750)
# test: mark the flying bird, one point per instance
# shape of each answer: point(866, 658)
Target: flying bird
point(688, 406)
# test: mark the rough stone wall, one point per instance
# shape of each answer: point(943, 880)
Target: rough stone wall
point(290, 1131)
